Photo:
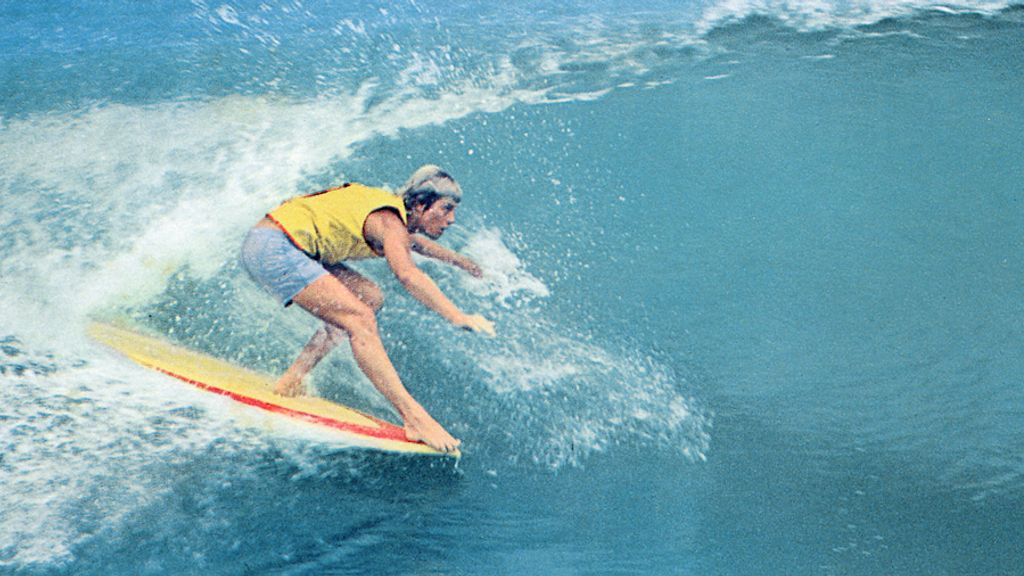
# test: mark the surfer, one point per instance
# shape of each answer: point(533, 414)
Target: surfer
point(298, 251)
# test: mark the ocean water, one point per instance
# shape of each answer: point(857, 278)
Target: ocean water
point(757, 270)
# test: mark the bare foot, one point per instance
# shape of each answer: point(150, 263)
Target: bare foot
point(289, 387)
point(423, 428)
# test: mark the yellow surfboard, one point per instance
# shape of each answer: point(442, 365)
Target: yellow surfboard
point(254, 390)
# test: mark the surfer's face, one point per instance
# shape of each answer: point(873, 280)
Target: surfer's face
point(433, 221)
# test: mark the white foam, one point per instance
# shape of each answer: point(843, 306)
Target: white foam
point(568, 396)
point(505, 276)
point(228, 14)
point(577, 398)
point(81, 448)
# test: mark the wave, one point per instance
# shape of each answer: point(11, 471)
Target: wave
point(138, 203)
point(139, 207)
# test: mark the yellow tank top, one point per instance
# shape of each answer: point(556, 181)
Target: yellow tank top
point(328, 225)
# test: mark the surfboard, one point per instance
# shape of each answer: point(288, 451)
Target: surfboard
point(327, 420)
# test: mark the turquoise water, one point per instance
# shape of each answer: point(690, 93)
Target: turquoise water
point(756, 269)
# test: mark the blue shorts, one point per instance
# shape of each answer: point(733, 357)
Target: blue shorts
point(277, 265)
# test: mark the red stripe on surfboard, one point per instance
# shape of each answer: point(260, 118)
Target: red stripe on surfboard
point(387, 431)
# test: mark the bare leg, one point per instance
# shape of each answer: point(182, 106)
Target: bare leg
point(330, 300)
point(327, 337)
point(322, 342)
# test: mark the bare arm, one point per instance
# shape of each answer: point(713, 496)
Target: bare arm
point(388, 229)
point(431, 249)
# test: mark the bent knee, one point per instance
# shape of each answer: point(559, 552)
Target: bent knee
point(356, 321)
point(335, 335)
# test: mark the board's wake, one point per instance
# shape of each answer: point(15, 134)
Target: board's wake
point(255, 390)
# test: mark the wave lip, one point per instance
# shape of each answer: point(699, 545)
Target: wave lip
point(818, 15)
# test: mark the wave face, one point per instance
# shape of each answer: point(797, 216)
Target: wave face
point(755, 268)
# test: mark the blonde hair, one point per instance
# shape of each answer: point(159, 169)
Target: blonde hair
point(427, 184)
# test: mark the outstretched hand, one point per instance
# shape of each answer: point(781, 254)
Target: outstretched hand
point(470, 266)
point(477, 323)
